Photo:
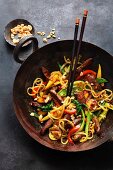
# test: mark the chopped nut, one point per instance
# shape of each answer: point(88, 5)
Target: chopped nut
point(45, 40)
point(49, 36)
point(14, 33)
point(20, 31)
point(53, 29)
point(15, 41)
point(53, 36)
point(12, 30)
point(19, 26)
point(24, 34)
point(39, 33)
point(43, 33)
point(27, 32)
point(25, 28)
point(22, 25)
point(29, 27)
point(52, 33)
point(32, 114)
point(19, 35)
point(12, 36)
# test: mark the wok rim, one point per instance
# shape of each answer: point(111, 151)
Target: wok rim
point(29, 128)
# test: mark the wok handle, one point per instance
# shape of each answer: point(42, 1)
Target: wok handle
point(21, 43)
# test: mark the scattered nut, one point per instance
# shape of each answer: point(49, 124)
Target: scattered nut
point(52, 33)
point(53, 29)
point(49, 36)
point(43, 33)
point(39, 33)
point(45, 40)
point(53, 36)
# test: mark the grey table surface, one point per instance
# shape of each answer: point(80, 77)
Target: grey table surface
point(17, 150)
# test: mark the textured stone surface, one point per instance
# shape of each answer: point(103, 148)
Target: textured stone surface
point(17, 150)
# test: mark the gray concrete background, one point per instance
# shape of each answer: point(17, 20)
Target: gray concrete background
point(17, 150)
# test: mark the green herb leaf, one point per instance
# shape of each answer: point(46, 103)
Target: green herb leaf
point(62, 70)
point(59, 65)
point(47, 107)
point(101, 80)
point(78, 105)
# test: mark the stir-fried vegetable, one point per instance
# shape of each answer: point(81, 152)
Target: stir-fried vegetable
point(70, 112)
point(62, 92)
point(99, 73)
point(88, 114)
point(85, 73)
point(75, 118)
point(71, 132)
point(78, 105)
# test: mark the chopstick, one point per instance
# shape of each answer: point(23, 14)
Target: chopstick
point(77, 21)
point(75, 61)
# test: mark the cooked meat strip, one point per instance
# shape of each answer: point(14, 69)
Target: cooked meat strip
point(34, 104)
point(77, 137)
point(56, 97)
point(77, 121)
point(91, 79)
point(84, 64)
point(54, 88)
point(47, 125)
point(111, 102)
point(45, 72)
point(67, 116)
point(97, 125)
point(81, 97)
point(97, 86)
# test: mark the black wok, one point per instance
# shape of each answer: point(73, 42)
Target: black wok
point(49, 56)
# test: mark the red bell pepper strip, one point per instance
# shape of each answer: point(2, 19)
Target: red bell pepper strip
point(71, 132)
point(44, 82)
point(70, 112)
point(34, 92)
point(85, 73)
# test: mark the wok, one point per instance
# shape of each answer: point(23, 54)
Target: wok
point(49, 56)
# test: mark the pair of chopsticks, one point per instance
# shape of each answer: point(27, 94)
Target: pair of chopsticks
point(75, 55)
